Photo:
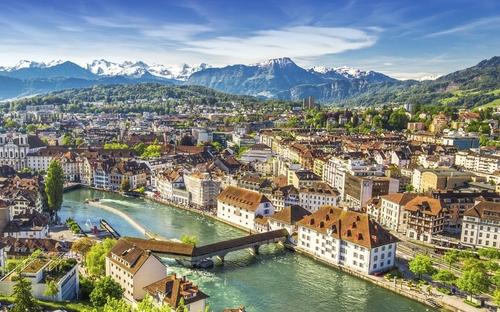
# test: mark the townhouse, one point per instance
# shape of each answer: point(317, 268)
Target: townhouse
point(424, 218)
point(317, 195)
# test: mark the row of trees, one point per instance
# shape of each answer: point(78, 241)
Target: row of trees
point(477, 275)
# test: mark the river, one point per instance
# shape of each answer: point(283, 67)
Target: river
point(275, 280)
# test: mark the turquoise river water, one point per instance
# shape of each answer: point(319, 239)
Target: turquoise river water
point(275, 280)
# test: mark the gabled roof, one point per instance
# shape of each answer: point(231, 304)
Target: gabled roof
point(242, 198)
point(290, 215)
point(400, 198)
point(485, 210)
point(172, 289)
point(426, 205)
point(131, 256)
point(348, 225)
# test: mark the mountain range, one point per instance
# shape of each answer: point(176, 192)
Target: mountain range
point(275, 78)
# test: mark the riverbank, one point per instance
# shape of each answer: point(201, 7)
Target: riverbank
point(129, 219)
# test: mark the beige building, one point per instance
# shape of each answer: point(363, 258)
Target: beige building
point(445, 180)
point(204, 189)
point(424, 218)
point(134, 267)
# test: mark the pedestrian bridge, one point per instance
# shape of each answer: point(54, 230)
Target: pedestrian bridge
point(192, 256)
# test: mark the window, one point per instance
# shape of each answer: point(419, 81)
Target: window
point(375, 266)
point(375, 258)
point(361, 257)
point(355, 255)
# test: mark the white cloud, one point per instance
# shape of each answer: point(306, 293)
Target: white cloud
point(177, 32)
point(482, 23)
point(300, 41)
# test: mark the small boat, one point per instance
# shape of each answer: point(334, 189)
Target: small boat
point(95, 200)
point(207, 263)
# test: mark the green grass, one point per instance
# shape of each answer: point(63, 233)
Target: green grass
point(444, 291)
point(475, 305)
point(494, 103)
point(68, 306)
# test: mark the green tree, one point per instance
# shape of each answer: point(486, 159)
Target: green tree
point(79, 141)
point(24, 298)
point(104, 288)
point(496, 297)
point(451, 256)
point(86, 287)
point(96, 257)
point(181, 306)
point(444, 276)
point(189, 240)
point(12, 124)
point(398, 120)
point(83, 245)
point(125, 185)
point(491, 253)
point(152, 151)
point(116, 305)
point(67, 140)
point(421, 264)
point(54, 186)
point(217, 146)
point(474, 282)
point(41, 171)
point(410, 188)
point(140, 148)
point(115, 146)
point(51, 289)
point(146, 305)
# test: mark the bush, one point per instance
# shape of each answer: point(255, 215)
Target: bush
point(420, 281)
point(475, 305)
point(444, 291)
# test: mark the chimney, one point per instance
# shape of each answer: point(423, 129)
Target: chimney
point(133, 247)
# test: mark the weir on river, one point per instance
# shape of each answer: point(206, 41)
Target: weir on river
point(274, 280)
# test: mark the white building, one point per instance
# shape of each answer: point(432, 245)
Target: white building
point(391, 210)
point(317, 195)
point(347, 238)
point(241, 206)
point(477, 162)
point(203, 188)
point(481, 225)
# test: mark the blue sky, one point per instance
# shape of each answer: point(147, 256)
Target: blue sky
point(403, 39)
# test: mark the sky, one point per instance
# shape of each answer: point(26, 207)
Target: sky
point(402, 39)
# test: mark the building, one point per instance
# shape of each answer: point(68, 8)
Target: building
point(347, 238)
point(481, 225)
point(358, 189)
point(257, 152)
point(287, 219)
point(462, 140)
point(391, 210)
point(424, 218)
point(317, 195)
point(302, 178)
point(241, 206)
point(27, 224)
point(203, 188)
point(438, 179)
point(478, 162)
point(134, 267)
point(171, 289)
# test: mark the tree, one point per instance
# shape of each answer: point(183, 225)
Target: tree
point(410, 188)
point(180, 306)
point(451, 256)
point(96, 257)
point(140, 148)
point(146, 305)
point(217, 146)
point(125, 185)
point(67, 140)
point(116, 305)
point(24, 298)
point(152, 151)
point(41, 171)
point(104, 288)
point(491, 253)
point(51, 289)
point(421, 264)
point(12, 124)
point(86, 287)
point(473, 281)
point(496, 297)
point(473, 264)
point(444, 276)
point(83, 245)
point(79, 141)
point(186, 141)
point(189, 240)
point(54, 186)
point(398, 120)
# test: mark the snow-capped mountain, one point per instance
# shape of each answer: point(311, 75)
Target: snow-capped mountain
point(429, 77)
point(139, 69)
point(29, 64)
point(349, 73)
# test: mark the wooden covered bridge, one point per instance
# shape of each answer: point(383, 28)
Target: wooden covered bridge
point(192, 256)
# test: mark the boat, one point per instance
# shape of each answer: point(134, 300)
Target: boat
point(95, 200)
point(207, 263)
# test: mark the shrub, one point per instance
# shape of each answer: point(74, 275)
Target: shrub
point(444, 291)
point(475, 305)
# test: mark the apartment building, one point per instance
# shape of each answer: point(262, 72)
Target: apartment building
point(424, 218)
point(317, 195)
point(481, 225)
